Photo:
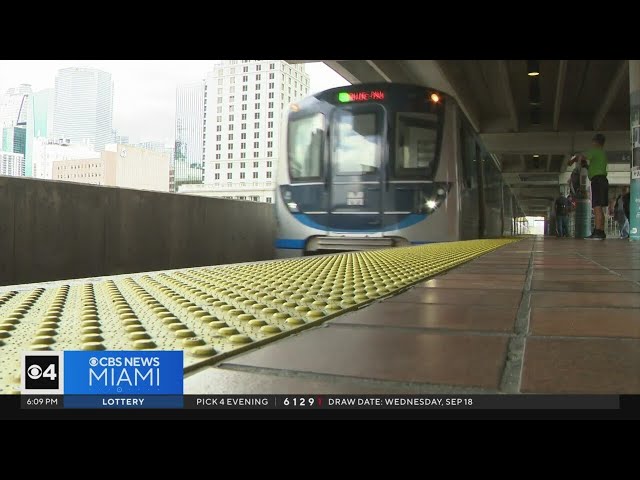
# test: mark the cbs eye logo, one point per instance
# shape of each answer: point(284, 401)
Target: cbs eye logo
point(41, 372)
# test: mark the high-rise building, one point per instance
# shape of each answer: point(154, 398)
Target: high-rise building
point(83, 106)
point(246, 100)
point(14, 106)
point(191, 118)
point(14, 115)
point(123, 166)
point(39, 123)
point(12, 164)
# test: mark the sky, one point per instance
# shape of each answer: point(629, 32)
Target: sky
point(144, 90)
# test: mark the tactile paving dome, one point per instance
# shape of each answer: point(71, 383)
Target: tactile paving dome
point(210, 312)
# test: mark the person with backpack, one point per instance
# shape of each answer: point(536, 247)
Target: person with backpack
point(596, 162)
point(562, 207)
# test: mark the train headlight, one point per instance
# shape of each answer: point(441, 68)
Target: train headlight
point(293, 207)
point(431, 198)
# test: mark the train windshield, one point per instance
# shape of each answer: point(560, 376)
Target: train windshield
point(416, 145)
point(356, 149)
point(306, 141)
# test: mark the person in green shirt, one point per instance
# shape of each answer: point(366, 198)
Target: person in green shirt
point(596, 162)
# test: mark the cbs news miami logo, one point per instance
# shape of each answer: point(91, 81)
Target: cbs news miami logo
point(103, 373)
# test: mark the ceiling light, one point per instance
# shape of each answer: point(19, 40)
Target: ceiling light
point(533, 68)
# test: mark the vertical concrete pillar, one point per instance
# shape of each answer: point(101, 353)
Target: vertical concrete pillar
point(582, 216)
point(634, 107)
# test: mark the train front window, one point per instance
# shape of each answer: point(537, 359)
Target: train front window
point(356, 147)
point(417, 145)
point(306, 140)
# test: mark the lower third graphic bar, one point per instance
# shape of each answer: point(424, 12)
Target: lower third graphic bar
point(459, 402)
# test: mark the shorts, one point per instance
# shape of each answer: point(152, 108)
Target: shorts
point(599, 191)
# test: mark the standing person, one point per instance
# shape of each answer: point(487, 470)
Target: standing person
point(596, 162)
point(621, 212)
point(562, 220)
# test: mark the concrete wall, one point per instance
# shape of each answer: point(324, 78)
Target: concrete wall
point(58, 230)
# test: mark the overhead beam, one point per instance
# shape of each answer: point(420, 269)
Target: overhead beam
point(503, 74)
point(367, 71)
point(537, 174)
point(545, 192)
point(538, 188)
point(537, 199)
point(557, 103)
point(610, 95)
point(391, 71)
point(614, 178)
point(343, 71)
point(551, 143)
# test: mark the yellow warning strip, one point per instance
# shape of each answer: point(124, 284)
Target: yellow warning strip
point(212, 312)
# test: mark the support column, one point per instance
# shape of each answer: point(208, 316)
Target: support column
point(582, 217)
point(634, 104)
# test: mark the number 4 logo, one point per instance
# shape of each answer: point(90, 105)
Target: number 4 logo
point(50, 372)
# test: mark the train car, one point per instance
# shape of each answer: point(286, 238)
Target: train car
point(384, 165)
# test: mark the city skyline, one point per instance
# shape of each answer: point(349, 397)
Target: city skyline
point(144, 91)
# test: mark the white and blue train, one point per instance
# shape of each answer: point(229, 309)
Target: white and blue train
point(385, 165)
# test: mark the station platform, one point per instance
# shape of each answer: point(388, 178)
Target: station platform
point(528, 315)
point(542, 315)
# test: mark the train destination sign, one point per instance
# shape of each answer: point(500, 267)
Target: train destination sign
point(364, 96)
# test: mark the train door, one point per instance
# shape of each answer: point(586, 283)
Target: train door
point(356, 172)
point(306, 197)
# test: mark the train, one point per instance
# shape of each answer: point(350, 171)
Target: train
point(385, 165)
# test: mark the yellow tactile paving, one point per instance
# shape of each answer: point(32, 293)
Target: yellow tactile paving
point(211, 312)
